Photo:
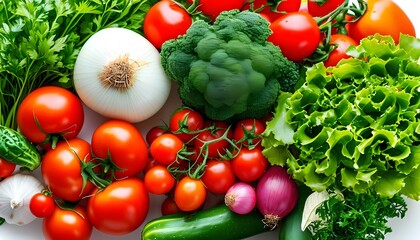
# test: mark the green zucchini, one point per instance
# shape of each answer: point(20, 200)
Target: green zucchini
point(17, 149)
point(290, 227)
point(216, 223)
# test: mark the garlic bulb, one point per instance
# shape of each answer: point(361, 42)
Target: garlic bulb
point(16, 192)
point(118, 74)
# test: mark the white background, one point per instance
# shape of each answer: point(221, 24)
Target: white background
point(403, 229)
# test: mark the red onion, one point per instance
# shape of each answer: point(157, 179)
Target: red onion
point(240, 198)
point(277, 195)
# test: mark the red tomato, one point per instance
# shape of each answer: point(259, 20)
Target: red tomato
point(164, 149)
point(159, 180)
point(6, 168)
point(218, 176)
point(212, 8)
point(67, 224)
point(153, 133)
point(184, 122)
point(62, 169)
point(190, 194)
point(120, 208)
point(319, 9)
point(249, 165)
point(124, 143)
point(169, 206)
point(343, 42)
point(164, 21)
point(41, 205)
point(285, 6)
point(50, 110)
point(212, 140)
point(384, 17)
point(297, 34)
point(248, 131)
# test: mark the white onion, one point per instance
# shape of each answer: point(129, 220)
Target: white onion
point(137, 96)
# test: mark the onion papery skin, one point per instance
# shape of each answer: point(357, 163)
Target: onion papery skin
point(150, 89)
point(277, 195)
point(241, 198)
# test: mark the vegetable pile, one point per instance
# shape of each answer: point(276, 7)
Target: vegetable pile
point(298, 118)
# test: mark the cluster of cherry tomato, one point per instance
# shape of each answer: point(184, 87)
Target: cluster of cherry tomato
point(305, 31)
point(194, 155)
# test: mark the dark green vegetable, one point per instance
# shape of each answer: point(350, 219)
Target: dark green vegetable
point(216, 223)
point(15, 148)
point(228, 69)
point(290, 227)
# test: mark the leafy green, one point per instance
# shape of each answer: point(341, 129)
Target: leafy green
point(356, 216)
point(354, 126)
point(40, 40)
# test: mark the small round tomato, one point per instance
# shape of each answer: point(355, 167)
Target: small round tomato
point(62, 169)
point(218, 176)
point(319, 9)
point(190, 194)
point(249, 165)
point(124, 143)
point(297, 34)
point(153, 133)
point(248, 131)
point(384, 17)
point(213, 140)
point(164, 21)
point(120, 208)
point(283, 7)
point(342, 42)
point(67, 224)
point(184, 122)
point(41, 205)
point(164, 149)
point(6, 168)
point(159, 180)
point(169, 206)
point(48, 111)
point(212, 8)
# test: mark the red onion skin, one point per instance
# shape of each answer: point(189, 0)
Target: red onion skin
point(277, 195)
point(241, 198)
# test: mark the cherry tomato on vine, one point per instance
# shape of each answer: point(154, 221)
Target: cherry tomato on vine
point(41, 205)
point(250, 164)
point(153, 133)
point(120, 208)
point(124, 143)
point(322, 8)
point(6, 168)
point(384, 17)
point(158, 180)
point(212, 140)
point(285, 6)
point(212, 8)
point(50, 110)
point(218, 176)
point(169, 206)
point(164, 149)
point(67, 224)
point(343, 42)
point(185, 120)
point(190, 194)
point(297, 34)
point(164, 21)
point(61, 169)
point(248, 131)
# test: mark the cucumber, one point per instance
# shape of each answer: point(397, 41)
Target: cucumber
point(290, 227)
point(17, 149)
point(215, 223)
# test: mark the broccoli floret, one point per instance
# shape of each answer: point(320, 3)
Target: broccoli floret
point(228, 70)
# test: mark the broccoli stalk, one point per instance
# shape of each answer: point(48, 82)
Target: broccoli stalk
point(228, 70)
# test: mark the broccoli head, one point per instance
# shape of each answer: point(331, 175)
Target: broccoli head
point(228, 70)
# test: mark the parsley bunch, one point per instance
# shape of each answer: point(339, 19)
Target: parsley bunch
point(40, 40)
point(355, 216)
